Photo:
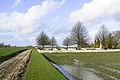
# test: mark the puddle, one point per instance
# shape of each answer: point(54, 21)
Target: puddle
point(80, 73)
point(76, 72)
point(65, 73)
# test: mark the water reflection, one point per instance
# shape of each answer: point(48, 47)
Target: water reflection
point(76, 71)
point(65, 73)
point(80, 73)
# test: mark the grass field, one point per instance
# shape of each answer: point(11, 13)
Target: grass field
point(7, 52)
point(106, 65)
point(40, 69)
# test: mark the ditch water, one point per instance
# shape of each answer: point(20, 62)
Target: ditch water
point(76, 72)
point(64, 72)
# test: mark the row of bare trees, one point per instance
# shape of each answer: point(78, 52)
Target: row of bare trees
point(3, 45)
point(43, 40)
point(79, 36)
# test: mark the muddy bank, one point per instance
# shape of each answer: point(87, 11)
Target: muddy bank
point(14, 68)
point(65, 73)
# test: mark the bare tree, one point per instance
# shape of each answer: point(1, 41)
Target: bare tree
point(115, 38)
point(102, 35)
point(2, 44)
point(42, 39)
point(79, 35)
point(67, 42)
point(53, 42)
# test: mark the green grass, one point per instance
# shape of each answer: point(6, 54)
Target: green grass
point(91, 60)
point(40, 69)
point(4, 51)
point(8, 52)
point(87, 58)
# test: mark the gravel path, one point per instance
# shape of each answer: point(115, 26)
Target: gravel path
point(13, 69)
point(61, 51)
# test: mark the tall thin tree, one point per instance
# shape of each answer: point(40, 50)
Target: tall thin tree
point(53, 42)
point(109, 42)
point(98, 43)
point(102, 35)
point(95, 44)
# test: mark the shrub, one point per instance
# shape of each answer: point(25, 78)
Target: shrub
point(58, 48)
point(41, 48)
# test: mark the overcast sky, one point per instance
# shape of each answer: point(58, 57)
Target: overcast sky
point(22, 20)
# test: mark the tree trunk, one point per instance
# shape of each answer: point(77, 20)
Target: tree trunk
point(52, 47)
point(43, 47)
point(67, 47)
point(78, 47)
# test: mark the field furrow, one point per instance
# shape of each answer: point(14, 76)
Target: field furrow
point(11, 69)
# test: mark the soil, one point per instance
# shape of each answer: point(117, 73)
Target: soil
point(14, 68)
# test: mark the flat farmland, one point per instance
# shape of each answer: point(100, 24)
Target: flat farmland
point(14, 68)
point(8, 52)
point(105, 65)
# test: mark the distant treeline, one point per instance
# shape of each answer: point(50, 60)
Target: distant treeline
point(79, 36)
point(3, 45)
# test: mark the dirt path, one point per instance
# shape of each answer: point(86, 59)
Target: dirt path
point(76, 51)
point(13, 69)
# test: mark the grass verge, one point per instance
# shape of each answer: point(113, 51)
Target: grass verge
point(40, 69)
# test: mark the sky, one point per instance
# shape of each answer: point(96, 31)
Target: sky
point(22, 20)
